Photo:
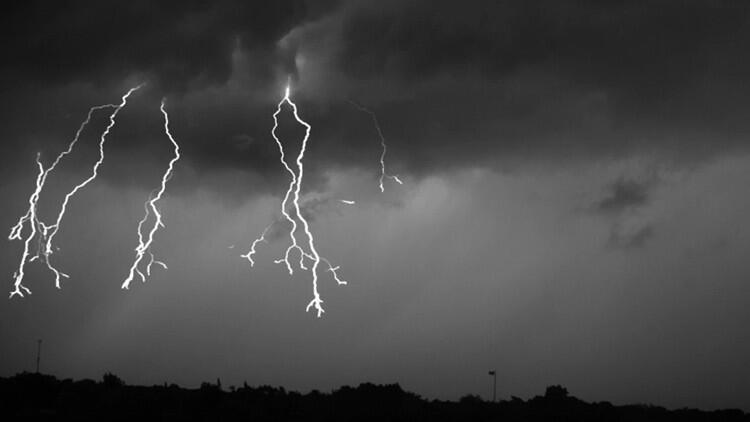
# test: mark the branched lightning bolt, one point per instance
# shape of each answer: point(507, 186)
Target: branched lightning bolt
point(293, 192)
point(383, 174)
point(292, 183)
point(45, 233)
point(144, 244)
point(95, 172)
point(252, 251)
point(15, 233)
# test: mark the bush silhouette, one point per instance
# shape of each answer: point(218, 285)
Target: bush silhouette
point(110, 380)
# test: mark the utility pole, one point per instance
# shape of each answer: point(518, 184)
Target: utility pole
point(494, 385)
point(38, 353)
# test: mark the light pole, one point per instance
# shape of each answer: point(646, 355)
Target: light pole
point(38, 353)
point(494, 384)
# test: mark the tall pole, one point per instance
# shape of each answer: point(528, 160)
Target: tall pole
point(38, 353)
point(494, 385)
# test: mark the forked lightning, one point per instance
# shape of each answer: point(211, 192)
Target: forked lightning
point(293, 194)
point(45, 233)
point(144, 245)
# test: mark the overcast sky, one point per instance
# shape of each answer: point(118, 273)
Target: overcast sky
point(573, 210)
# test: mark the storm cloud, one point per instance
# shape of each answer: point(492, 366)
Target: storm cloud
point(453, 84)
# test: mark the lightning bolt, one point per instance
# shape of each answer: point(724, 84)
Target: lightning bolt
point(43, 232)
point(144, 244)
point(15, 233)
point(293, 195)
point(383, 174)
point(252, 251)
point(347, 202)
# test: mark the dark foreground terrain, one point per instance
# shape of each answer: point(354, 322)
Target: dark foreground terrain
point(29, 396)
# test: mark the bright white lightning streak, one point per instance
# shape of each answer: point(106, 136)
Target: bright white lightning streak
point(150, 206)
point(289, 191)
point(252, 251)
point(347, 202)
point(53, 229)
point(16, 232)
point(383, 174)
point(262, 239)
point(43, 230)
point(295, 185)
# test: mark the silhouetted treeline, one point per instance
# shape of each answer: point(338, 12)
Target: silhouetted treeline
point(29, 396)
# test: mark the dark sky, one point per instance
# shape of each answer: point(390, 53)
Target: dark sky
point(573, 210)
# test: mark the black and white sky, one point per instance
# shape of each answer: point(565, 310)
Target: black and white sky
point(574, 207)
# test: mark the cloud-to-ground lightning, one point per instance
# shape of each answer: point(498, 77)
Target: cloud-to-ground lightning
point(383, 174)
point(15, 233)
point(45, 233)
point(144, 244)
point(293, 194)
point(31, 216)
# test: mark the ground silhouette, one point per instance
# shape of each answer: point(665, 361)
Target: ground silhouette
point(29, 396)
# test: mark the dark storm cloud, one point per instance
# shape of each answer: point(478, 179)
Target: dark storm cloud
point(174, 43)
point(61, 58)
point(622, 206)
point(625, 194)
point(649, 47)
point(466, 83)
point(477, 83)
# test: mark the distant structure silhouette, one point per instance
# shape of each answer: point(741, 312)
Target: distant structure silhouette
point(494, 385)
point(38, 353)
